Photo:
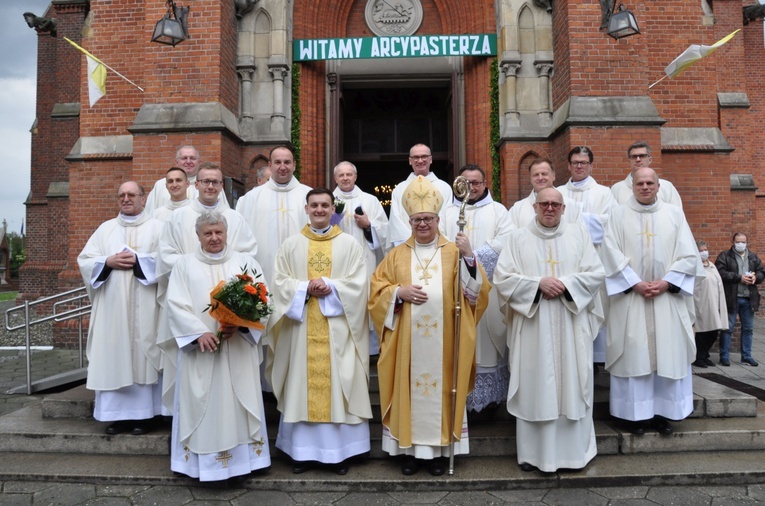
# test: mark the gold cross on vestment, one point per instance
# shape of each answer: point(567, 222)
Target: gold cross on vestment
point(320, 262)
point(647, 233)
point(426, 327)
point(425, 274)
point(224, 457)
point(257, 446)
point(550, 260)
point(425, 383)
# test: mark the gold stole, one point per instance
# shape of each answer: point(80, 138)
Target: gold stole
point(317, 329)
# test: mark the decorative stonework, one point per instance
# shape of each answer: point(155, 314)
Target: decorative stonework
point(393, 17)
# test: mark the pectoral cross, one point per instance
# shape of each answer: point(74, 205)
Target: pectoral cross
point(224, 457)
point(550, 260)
point(425, 272)
point(647, 233)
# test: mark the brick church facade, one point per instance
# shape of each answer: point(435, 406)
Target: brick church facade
point(229, 90)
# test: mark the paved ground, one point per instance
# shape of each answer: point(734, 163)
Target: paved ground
point(49, 362)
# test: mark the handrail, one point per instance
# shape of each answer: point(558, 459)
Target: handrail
point(74, 296)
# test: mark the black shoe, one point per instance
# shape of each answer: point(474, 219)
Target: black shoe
point(341, 468)
point(527, 468)
point(662, 426)
point(699, 363)
point(119, 427)
point(709, 362)
point(749, 361)
point(141, 427)
point(437, 467)
point(636, 428)
point(300, 466)
point(410, 466)
point(725, 362)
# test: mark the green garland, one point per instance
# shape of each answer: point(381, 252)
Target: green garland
point(496, 186)
point(295, 128)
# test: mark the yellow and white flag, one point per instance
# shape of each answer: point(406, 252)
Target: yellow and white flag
point(96, 75)
point(694, 53)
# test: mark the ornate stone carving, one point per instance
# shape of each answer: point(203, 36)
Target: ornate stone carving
point(544, 68)
point(244, 6)
point(509, 68)
point(393, 17)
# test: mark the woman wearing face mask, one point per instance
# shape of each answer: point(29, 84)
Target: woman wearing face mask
point(711, 313)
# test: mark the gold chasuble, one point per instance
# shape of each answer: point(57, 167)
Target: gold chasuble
point(317, 332)
point(416, 399)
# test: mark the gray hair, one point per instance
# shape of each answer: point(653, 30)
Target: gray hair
point(334, 171)
point(187, 146)
point(209, 218)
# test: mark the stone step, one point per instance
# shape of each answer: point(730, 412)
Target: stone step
point(25, 430)
point(371, 475)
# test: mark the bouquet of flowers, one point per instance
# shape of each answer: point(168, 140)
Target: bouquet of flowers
point(241, 301)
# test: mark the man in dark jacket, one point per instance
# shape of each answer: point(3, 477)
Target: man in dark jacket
point(741, 271)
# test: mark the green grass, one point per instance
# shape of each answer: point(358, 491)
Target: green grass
point(8, 295)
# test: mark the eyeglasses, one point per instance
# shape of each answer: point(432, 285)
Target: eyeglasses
point(579, 164)
point(184, 158)
point(419, 158)
point(475, 184)
point(547, 205)
point(209, 182)
point(638, 157)
point(427, 221)
point(131, 196)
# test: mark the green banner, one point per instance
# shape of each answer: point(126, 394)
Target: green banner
point(412, 46)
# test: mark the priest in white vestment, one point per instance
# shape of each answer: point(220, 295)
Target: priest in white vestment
point(412, 302)
point(541, 175)
point(639, 157)
point(176, 183)
point(188, 159)
point(487, 229)
point(118, 266)
point(275, 210)
point(420, 158)
point(219, 427)
point(319, 341)
point(364, 218)
point(179, 238)
point(595, 202)
point(549, 277)
point(651, 265)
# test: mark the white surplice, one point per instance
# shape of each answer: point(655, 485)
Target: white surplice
point(596, 203)
point(219, 427)
point(163, 213)
point(123, 358)
point(274, 212)
point(399, 229)
point(550, 340)
point(650, 337)
point(488, 227)
point(373, 251)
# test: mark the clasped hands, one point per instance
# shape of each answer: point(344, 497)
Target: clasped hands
point(318, 288)
point(651, 289)
point(124, 260)
point(551, 287)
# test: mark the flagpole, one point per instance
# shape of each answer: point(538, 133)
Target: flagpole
point(123, 77)
point(657, 82)
point(81, 49)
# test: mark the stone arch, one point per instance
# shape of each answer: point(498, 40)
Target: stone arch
point(256, 163)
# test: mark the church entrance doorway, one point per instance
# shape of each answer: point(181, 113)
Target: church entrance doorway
point(378, 125)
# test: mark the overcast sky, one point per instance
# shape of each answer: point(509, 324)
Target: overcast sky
point(18, 71)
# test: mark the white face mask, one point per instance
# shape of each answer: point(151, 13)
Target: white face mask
point(704, 255)
point(740, 247)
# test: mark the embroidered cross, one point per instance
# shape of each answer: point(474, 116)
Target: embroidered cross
point(320, 262)
point(550, 260)
point(647, 233)
point(425, 383)
point(257, 446)
point(187, 451)
point(224, 457)
point(425, 274)
point(426, 327)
